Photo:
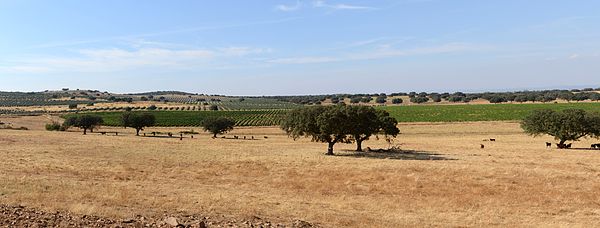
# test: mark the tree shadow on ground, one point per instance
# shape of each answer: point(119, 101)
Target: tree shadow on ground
point(396, 154)
point(588, 149)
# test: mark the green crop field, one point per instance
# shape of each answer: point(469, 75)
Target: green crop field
point(482, 112)
point(194, 118)
point(416, 113)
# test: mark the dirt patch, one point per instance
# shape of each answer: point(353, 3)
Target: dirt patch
point(20, 216)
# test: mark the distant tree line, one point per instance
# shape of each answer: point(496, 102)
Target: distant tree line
point(456, 97)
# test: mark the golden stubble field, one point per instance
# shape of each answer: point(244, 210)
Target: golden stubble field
point(515, 181)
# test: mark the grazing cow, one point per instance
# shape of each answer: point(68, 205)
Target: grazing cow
point(103, 133)
point(493, 140)
point(170, 134)
point(266, 137)
point(564, 146)
point(482, 146)
point(548, 144)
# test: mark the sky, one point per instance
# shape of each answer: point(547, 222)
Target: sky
point(293, 47)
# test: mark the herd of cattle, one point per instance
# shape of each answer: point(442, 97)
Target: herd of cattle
point(568, 146)
point(549, 145)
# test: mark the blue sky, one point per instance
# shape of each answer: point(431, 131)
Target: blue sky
point(277, 47)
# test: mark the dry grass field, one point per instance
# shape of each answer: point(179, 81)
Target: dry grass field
point(447, 180)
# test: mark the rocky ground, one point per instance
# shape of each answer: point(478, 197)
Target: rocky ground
point(19, 216)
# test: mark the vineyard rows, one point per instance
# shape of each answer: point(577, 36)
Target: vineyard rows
point(195, 118)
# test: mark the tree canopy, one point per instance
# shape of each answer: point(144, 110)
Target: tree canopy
point(217, 125)
point(566, 125)
point(85, 122)
point(137, 121)
point(367, 121)
point(338, 124)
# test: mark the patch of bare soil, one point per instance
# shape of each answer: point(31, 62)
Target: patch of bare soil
point(20, 216)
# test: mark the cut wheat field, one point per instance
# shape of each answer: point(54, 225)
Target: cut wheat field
point(444, 178)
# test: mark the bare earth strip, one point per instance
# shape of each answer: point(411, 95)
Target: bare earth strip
point(443, 179)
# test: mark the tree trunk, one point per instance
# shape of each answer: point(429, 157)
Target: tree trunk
point(330, 148)
point(561, 144)
point(137, 132)
point(215, 135)
point(92, 130)
point(359, 145)
point(85, 131)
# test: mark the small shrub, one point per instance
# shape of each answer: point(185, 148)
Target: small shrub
point(54, 126)
point(419, 100)
point(397, 101)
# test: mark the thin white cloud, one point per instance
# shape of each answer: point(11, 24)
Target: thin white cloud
point(380, 54)
point(24, 69)
point(289, 8)
point(117, 59)
point(574, 56)
point(304, 60)
point(340, 6)
point(243, 51)
point(162, 33)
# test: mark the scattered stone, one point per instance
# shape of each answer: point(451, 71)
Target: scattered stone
point(127, 221)
point(301, 224)
point(20, 216)
point(172, 221)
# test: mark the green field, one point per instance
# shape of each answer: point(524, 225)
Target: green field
point(194, 118)
point(415, 113)
point(469, 112)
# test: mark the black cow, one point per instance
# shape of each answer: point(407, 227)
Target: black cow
point(548, 144)
point(561, 146)
point(482, 146)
